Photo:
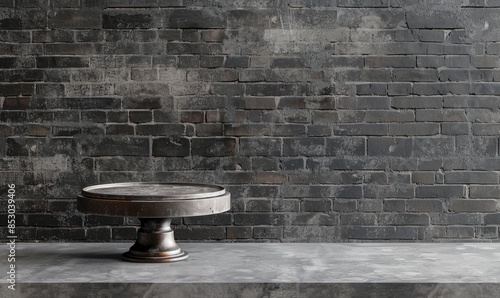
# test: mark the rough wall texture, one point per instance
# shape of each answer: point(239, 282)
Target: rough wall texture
point(327, 120)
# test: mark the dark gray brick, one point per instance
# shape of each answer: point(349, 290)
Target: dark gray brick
point(389, 116)
point(482, 146)
point(414, 129)
point(70, 18)
point(143, 117)
point(260, 146)
point(260, 103)
point(171, 147)
point(458, 37)
point(443, 146)
point(485, 129)
point(344, 205)
point(454, 75)
point(113, 146)
point(485, 88)
point(358, 219)
point(403, 219)
point(248, 129)
point(61, 62)
point(213, 35)
point(162, 129)
point(209, 129)
point(315, 18)
point(488, 61)
point(441, 115)
point(361, 129)
point(237, 61)
point(456, 219)
point(427, 205)
point(311, 233)
point(199, 233)
point(445, 88)
point(257, 219)
point(471, 102)
point(390, 191)
point(317, 191)
point(186, 48)
point(147, 103)
point(389, 147)
point(209, 220)
point(200, 19)
point(289, 130)
point(291, 62)
point(452, 232)
point(315, 218)
point(431, 35)
point(492, 219)
point(258, 205)
point(319, 131)
point(471, 178)
point(430, 61)
point(27, 19)
point(354, 18)
point(417, 103)
point(382, 233)
point(325, 117)
point(213, 146)
point(268, 232)
point(415, 75)
point(239, 232)
point(8, 62)
point(291, 164)
point(486, 232)
point(440, 191)
point(433, 20)
point(344, 61)
point(406, 35)
point(451, 49)
point(316, 205)
point(371, 89)
point(127, 20)
point(484, 75)
point(275, 89)
point(120, 163)
point(345, 146)
point(484, 191)
point(55, 233)
point(358, 3)
point(211, 61)
point(457, 61)
point(423, 177)
point(52, 220)
point(399, 89)
point(475, 205)
point(304, 146)
point(391, 61)
point(325, 178)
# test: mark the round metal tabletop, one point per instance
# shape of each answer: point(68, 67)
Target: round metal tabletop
point(152, 191)
point(153, 200)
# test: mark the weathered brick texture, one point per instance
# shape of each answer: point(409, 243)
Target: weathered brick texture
point(337, 120)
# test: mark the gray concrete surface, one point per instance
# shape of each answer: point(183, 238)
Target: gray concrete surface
point(261, 270)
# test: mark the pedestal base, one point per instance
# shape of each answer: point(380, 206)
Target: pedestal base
point(178, 257)
point(155, 243)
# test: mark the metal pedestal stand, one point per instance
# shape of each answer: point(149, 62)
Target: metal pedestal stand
point(155, 204)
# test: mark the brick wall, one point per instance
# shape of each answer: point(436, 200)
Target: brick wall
point(327, 120)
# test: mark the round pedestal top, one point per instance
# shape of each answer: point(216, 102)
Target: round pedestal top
point(152, 191)
point(153, 199)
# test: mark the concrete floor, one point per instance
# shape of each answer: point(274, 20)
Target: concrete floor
point(261, 270)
